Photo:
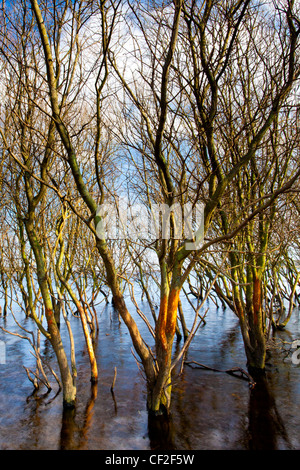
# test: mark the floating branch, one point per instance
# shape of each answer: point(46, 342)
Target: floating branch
point(234, 371)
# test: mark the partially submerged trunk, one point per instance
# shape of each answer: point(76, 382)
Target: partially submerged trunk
point(53, 333)
point(159, 396)
point(182, 320)
point(141, 348)
point(69, 388)
point(89, 343)
point(158, 369)
point(84, 322)
point(253, 329)
point(57, 311)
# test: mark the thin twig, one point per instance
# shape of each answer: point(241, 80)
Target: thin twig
point(114, 380)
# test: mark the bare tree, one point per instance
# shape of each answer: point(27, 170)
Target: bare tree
point(183, 98)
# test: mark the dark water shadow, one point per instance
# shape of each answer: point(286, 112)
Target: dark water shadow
point(266, 426)
point(210, 410)
point(69, 429)
point(161, 432)
point(73, 435)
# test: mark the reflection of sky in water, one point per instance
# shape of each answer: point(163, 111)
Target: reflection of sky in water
point(210, 410)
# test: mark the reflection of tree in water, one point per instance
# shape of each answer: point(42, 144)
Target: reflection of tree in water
point(70, 430)
point(74, 436)
point(161, 432)
point(265, 423)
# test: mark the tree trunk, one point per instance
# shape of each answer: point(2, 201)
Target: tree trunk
point(89, 343)
point(5, 301)
point(254, 337)
point(69, 389)
point(141, 348)
point(255, 348)
point(159, 395)
point(182, 320)
point(84, 323)
point(57, 307)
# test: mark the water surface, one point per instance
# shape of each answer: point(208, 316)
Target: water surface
point(210, 410)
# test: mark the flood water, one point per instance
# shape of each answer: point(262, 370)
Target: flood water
point(210, 410)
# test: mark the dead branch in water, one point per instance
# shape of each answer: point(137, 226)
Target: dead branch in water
point(114, 380)
point(234, 371)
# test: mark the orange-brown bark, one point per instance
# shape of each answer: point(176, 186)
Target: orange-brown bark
point(167, 318)
point(50, 319)
point(161, 323)
point(89, 344)
point(172, 313)
point(256, 300)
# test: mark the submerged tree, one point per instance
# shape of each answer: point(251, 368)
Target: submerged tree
point(160, 113)
point(239, 99)
point(29, 143)
point(31, 149)
point(166, 100)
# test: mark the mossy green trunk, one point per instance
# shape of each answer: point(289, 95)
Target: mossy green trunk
point(69, 389)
